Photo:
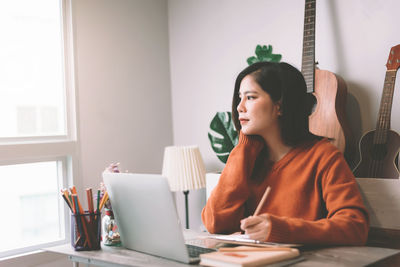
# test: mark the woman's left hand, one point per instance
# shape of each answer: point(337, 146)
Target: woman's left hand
point(256, 227)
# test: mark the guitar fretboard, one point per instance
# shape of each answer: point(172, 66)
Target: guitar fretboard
point(308, 60)
point(385, 109)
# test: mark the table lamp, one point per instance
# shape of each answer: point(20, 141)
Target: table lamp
point(184, 168)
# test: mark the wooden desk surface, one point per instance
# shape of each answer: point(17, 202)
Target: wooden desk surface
point(113, 256)
point(334, 256)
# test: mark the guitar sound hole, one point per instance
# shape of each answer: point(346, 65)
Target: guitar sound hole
point(378, 151)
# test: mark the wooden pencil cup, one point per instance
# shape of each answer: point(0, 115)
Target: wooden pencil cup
point(86, 231)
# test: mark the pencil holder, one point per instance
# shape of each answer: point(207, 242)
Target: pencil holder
point(86, 231)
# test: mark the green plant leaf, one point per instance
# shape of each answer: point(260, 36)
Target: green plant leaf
point(222, 135)
point(252, 60)
point(264, 53)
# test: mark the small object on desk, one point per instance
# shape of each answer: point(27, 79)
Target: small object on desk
point(111, 235)
point(86, 233)
point(85, 225)
point(245, 256)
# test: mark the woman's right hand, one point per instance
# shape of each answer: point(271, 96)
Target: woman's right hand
point(256, 227)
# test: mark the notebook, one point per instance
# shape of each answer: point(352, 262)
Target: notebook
point(147, 218)
point(245, 256)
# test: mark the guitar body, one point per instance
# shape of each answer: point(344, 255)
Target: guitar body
point(378, 160)
point(329, 116)
point(379, 148)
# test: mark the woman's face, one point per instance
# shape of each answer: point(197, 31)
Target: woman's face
point(258, 114)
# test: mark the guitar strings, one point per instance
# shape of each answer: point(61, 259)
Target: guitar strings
point(383, 125)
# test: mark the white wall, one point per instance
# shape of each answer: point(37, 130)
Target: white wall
point(211, 40)
point(123, 85)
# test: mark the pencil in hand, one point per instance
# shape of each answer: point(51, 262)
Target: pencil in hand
point(261, 204)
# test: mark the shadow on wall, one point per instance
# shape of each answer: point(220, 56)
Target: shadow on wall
point(338, 39)
point(357, 94)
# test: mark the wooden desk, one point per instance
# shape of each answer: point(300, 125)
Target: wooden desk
point(335, 257)
point(112, 256)
point(382, 200)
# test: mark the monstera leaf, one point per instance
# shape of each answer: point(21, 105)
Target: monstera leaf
point(222, 135)
point(264, 53)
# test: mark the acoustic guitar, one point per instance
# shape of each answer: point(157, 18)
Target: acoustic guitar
point(329, 115)
point(378, 148)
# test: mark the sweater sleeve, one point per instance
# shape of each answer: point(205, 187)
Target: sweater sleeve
point(226, 204)
point(346, 222)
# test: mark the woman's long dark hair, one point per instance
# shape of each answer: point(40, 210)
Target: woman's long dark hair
point(284, 84)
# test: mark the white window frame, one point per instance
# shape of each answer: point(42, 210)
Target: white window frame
point(62, 148)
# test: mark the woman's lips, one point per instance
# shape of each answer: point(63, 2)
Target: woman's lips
point(242, 121)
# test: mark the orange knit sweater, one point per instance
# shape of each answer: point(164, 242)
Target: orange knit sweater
point(314, 198)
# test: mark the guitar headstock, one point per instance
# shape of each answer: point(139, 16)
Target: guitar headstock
point(393, 62)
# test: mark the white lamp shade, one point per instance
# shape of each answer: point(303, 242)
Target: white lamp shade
point(184, 168)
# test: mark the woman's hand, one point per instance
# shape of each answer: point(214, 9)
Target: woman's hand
point(256, 227)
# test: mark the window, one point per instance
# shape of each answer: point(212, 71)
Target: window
point(37, 133)
point(33, 211)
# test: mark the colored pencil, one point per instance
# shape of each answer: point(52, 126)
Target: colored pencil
point(79, 210)
point(73, 189)
point(98, 200)
point(66, 200)
point(261, 204)
point(90, 203)
point(67, 197)
point(103, 200)
point(89, 199)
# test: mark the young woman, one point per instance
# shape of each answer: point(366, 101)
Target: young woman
point(314, 197)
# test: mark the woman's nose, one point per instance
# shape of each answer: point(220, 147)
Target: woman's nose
point(241, 107)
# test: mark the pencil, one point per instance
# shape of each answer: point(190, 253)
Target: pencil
point(89, 199)
point(76, 218)
point(66, 200)
point(73, 189)
point(103, 200)
point(90, 203)
point(261, 204)
point(67, 197)
point(80, 211)
point(73, 205)
point(98, 200)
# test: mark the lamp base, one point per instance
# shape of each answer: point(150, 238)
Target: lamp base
point(187, 208)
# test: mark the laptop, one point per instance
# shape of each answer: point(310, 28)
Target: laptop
point(147, 218)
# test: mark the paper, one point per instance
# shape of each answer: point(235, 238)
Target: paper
point(244, 239)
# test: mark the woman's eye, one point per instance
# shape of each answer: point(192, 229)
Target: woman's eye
point(249, 97)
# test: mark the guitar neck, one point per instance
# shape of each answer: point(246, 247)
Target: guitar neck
point(385, 109)
point(308, 60)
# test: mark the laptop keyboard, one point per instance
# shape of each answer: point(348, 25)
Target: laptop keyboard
point(195, 251)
